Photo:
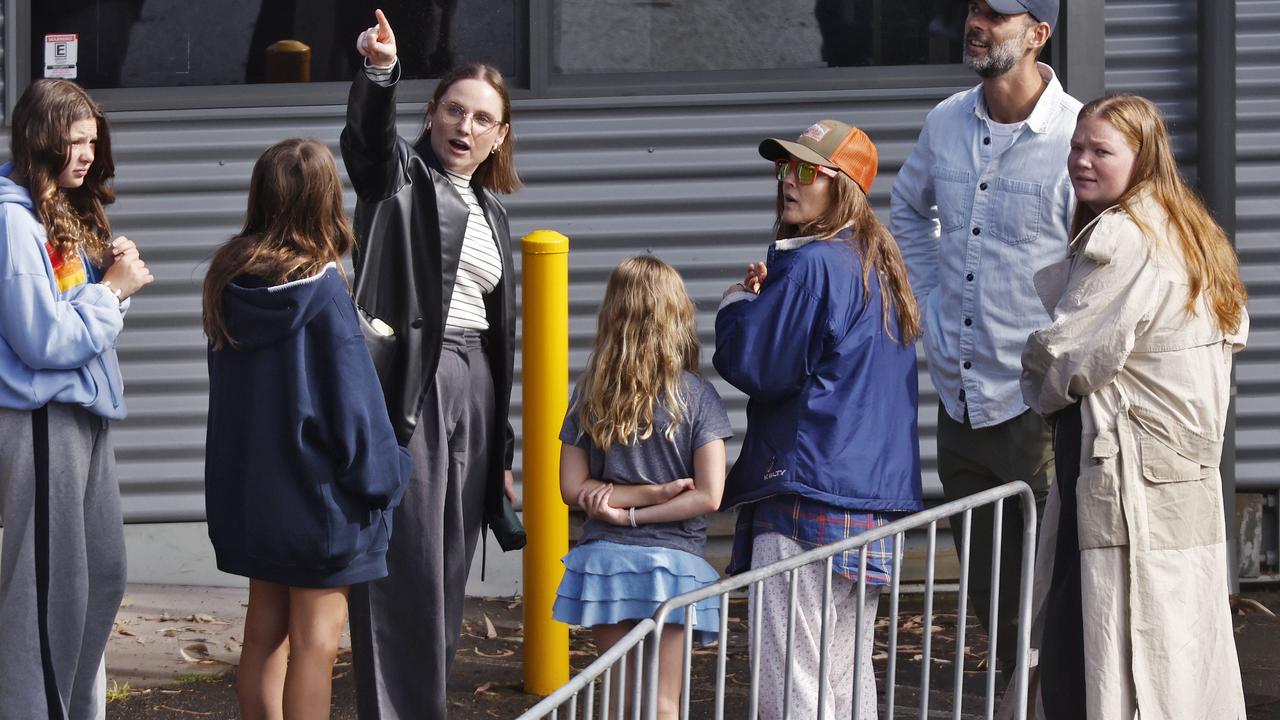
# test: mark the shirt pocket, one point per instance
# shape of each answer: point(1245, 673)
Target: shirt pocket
point(1183, 505)
point(1099, 508)
point(953, 193)
point(1015, 211)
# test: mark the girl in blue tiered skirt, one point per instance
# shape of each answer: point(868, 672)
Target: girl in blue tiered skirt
point(643, 456)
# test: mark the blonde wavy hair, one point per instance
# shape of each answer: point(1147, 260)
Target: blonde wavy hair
point(876, 248)
point(1212, 265)
point(645, 339)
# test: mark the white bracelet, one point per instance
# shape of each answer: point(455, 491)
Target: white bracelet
point(631, 515)
point(114, 291)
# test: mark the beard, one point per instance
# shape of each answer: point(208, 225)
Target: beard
point(999, 59)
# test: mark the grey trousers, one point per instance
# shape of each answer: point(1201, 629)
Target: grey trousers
point(62, 567)
point(405, 627)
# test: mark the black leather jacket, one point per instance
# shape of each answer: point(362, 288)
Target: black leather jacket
point(409, 224)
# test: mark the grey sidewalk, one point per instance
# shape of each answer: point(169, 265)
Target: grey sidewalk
point(168, 633)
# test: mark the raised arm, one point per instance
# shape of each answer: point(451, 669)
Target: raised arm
point(49, 332)
point(768, 345)
point(369, 140)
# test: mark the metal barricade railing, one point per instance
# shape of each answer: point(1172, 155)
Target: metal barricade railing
point(611, 669)
point(753, 582)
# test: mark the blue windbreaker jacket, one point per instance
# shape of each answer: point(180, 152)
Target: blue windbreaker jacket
point(833, 398)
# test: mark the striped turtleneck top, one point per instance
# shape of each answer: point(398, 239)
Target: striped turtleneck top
point(479, 265)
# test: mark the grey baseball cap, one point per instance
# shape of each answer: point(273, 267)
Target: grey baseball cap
point(1042, 10)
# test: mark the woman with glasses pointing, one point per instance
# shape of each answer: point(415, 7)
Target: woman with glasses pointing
point(821, 338)
point(434, 276)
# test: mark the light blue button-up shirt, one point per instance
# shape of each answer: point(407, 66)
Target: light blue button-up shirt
point(975, 226)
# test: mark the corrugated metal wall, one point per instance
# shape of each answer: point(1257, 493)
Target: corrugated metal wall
point(4, 62)
point(679, 177)
point(1151, 49)
point(1258, 218)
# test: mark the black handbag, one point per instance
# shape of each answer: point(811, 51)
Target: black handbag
point(506, 525)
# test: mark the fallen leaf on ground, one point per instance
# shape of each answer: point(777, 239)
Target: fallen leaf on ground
point(180, 710)
point(484, 688)
point(489, 631)
point(196, 652)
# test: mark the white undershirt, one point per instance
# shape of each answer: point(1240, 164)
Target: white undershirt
point(1002, 135)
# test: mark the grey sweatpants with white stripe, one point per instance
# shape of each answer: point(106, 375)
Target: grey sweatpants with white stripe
point(62, 563)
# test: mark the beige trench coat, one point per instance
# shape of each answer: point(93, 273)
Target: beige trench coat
point(1155, 381)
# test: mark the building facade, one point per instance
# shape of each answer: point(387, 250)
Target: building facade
point(636, 129)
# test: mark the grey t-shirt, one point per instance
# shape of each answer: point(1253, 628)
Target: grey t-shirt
point(655, 461)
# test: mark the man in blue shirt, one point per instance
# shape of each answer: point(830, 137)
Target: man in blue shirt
point(982, 205)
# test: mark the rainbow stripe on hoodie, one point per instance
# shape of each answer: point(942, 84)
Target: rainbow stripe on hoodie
point(68, 272)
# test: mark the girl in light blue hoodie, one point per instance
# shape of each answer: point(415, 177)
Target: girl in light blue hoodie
point(64, 290)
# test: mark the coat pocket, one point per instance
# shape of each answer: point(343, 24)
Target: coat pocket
point(354, 528)
point(1184, 507)
point(1099, 508)
point(379, 338)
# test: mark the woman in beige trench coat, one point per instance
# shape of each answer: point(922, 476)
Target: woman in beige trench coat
point(1143, 337)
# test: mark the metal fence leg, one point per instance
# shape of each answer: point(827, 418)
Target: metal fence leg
point(637, 692)
point(620, 706)
point(757, 589)
point(891, 673)
point(606, 695)
point(926, 657)
point(997, 539)
point(962, 615)
point(685, 690)
point(793, 577)
point(1029, 522)
point(722, 651)
point(858, 652)
point(825, 641)
point(590, 709)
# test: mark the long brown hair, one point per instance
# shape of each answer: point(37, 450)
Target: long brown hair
point(498, 171)
point(293, 227)
point(850, 209)
point(1212, 266)
point(74, 218)
point(645, 338)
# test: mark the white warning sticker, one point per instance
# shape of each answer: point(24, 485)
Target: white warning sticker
point(60, 55)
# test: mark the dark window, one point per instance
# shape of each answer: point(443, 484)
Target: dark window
point(168, 43)
point(625, 36)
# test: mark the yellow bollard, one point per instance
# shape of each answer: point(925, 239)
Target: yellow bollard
point(546, 394)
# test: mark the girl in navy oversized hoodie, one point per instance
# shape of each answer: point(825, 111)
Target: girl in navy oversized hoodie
point(302, 468)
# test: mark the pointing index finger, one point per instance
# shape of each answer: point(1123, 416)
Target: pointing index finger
point(384, 27)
